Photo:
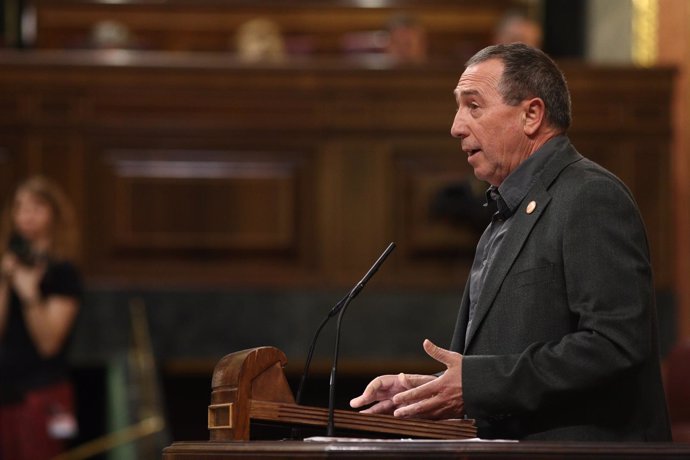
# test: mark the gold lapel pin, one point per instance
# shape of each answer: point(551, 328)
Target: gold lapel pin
point(531, 206)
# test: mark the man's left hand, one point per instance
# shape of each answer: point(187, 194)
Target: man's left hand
point(440, 398)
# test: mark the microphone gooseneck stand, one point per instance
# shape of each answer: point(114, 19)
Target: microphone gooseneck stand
point(312, 346)
point(338, 308)
point(330, 429)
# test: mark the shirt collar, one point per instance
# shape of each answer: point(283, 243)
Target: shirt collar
point(515, 187)
point(493, 194)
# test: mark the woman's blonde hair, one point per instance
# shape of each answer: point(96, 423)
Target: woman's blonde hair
point(64, 231)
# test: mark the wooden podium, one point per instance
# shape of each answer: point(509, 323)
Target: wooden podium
point(251, 385)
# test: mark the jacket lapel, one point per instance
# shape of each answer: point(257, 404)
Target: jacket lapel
point(507, 253)
point(520, 229)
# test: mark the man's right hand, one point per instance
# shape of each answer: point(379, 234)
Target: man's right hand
point(382, 389)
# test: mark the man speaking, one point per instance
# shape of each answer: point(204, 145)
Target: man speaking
point(556, 338)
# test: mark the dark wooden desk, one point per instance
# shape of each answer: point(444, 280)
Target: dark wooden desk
point(425, 449)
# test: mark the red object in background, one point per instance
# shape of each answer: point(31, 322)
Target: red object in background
point(25, 426)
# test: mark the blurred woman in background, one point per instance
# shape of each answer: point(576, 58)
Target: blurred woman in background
point(40, 292)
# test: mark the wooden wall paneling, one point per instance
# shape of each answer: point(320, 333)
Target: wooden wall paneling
point(438, 211)
point(653, 170)
point(45, 120)
point(59, 155)
point(28, 148)
point(12, 105)
point(186, 200)
point(606, 105)
point(15, 108)
point(356, 208)
point(413, 101)
point(10, 169)
point(330, 199)
point(369, 116)
point(232, 208)
point(423, 178)
point(674, 49)
point(217, 104)
point(365, 148)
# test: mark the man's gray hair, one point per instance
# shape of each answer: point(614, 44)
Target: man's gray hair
point(529, 73)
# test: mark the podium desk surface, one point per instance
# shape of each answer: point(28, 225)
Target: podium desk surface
point(469, 450)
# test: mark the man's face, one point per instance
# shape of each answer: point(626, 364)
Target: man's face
point(490, 131)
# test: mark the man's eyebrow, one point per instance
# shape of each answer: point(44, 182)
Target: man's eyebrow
point(465, 92)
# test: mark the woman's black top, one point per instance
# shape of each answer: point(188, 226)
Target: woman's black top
point(22, 368)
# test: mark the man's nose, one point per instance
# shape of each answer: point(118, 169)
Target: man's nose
point(459, 128)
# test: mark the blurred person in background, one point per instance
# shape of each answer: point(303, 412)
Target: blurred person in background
point(40, 293)
point(407, 41)
point(111, 35)
point(517, 27)
point(260, 40)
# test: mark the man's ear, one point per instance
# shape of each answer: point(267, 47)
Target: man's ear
point(534, 113)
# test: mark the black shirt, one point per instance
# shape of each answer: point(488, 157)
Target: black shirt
point(21, 366)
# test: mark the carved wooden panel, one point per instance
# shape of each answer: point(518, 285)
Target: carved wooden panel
point(204, 200)
point(212, 208)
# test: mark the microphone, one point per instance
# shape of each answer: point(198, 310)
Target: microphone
point(341, 307)
point(337, 308)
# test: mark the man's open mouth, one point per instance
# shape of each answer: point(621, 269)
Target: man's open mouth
point(471, 152)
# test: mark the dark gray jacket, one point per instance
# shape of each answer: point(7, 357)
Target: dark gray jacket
point(564, 341)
